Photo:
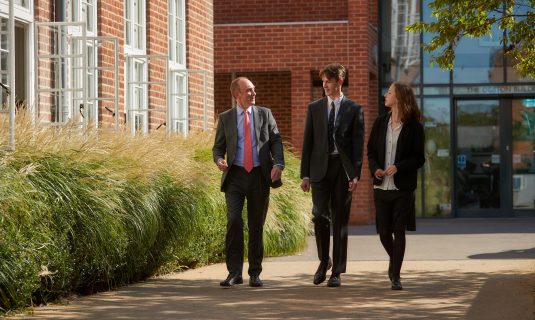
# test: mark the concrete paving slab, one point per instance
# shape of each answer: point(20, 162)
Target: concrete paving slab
point(453, 270)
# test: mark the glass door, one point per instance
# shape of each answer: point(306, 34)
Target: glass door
point(478, 158)
point(523, 154)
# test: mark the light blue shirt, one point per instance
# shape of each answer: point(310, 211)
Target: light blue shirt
point(239, 148)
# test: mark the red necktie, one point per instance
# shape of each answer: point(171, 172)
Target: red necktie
point(247, 143)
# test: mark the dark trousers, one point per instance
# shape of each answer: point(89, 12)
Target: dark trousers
point(392, 210)
point(252, 186)
point(331, 203)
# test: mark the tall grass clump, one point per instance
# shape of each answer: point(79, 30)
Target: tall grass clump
point(84, 211)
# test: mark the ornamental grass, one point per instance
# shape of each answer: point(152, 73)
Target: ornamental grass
point(83, 211)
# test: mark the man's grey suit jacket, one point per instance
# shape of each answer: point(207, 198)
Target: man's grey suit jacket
point(268, 141)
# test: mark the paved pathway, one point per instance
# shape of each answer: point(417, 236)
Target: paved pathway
point(454, 269)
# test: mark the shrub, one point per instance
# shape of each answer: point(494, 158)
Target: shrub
point(88, 211)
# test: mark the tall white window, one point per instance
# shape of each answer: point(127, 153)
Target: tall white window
point(85, 11)
point(176, 32)
point(135, 23)
point(177, 63)
point(137, 98)
point(136, 74)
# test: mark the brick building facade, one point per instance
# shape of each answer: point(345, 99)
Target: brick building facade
point(281, 46)
point(164, 63)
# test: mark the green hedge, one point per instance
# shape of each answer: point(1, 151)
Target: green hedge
point(88, 212)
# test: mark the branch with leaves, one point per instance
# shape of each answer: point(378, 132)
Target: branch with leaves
point(456, 19)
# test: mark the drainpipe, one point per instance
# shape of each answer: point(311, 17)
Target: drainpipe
point(11, 68)
point(59, 10)
point(59, 16)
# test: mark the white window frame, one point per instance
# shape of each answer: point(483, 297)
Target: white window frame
point(137, 100)
point(179, 102)
point(24, 13)
point(135, 25)
point(178, 80)
point(77, 12)
point(23, 18)
point(80, 10)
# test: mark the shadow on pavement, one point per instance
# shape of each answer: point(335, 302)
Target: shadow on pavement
point(510, 254)
point(427, 295)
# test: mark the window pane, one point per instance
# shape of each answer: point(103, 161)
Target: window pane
point(479, 60)
point(520, 9)
point(401, 49)
point(523, 153)
point(437, 176)
point(432, 74)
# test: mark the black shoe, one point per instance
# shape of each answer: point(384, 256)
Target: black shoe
point(231, 280)
point(390, 270)
point(255, 281)
point(334, 280)
point(321, 273)
point(396, 283)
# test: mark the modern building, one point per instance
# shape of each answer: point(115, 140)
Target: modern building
point(149, 65)
point(144, 65)
point(479, 118)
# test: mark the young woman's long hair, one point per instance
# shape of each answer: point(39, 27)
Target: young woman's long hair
point(408, 108)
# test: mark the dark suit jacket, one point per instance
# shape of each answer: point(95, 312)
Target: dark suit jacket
point(409, 151)
point(349, 139)
point(268, 141)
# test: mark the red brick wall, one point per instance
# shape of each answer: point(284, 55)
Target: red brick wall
point(110, 24)
point(44, 11)
point(272, 91)
point(300, 49)
point(247, 11)
point(157, 45)
point(200, 56)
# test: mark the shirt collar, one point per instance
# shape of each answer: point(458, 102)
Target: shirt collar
point(240, 109)
point(337, 101)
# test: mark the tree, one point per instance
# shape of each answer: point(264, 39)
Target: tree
point(456, 19)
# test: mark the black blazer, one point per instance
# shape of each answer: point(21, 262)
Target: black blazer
point(409, 151)
point(349, 139)
point(268, 141)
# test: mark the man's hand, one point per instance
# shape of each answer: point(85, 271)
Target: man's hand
point(352, 184)
point(276, 173)
point(305, 184)
point(222, 164)
point(379, 174)
point(391, 170)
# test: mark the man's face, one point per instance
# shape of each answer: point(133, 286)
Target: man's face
point(245, 95)
point(331, 87)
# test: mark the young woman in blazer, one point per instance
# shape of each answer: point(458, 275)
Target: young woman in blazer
point(395, 153)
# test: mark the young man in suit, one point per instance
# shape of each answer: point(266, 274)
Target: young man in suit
point(331, 161)
point(248, 136)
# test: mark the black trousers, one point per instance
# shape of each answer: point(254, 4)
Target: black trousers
point(331, 204)
point(252, 186)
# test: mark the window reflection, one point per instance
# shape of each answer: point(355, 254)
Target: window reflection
point(479, 60)
point(437, 177)
point(401, 49)
point(523, 153)
point(432, 74)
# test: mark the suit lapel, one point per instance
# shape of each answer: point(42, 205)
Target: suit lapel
point(233, 132)
point(257, 122)
point(343, 108)
point(323, 116)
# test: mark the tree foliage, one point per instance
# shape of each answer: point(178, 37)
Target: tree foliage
point(456, 19)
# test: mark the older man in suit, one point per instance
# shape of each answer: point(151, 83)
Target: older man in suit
point(248, 136)
point(330, 163)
